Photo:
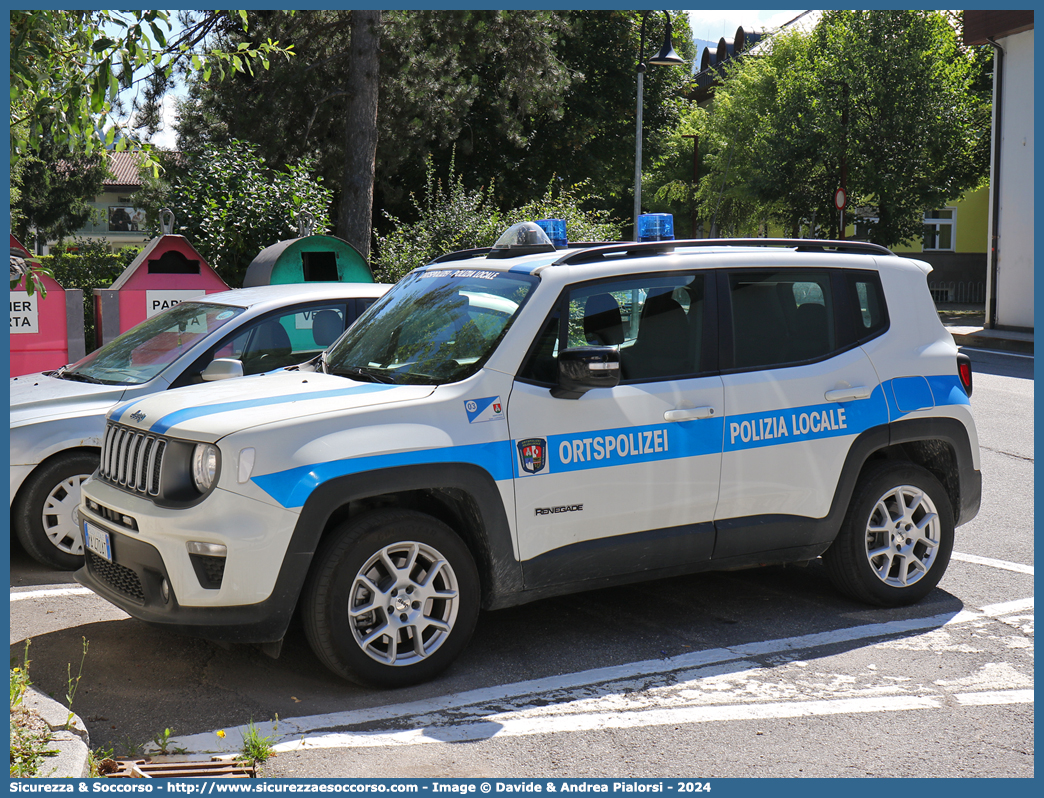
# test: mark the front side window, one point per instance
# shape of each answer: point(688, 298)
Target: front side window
point(780, 317)
point(434, 327)
point(147, 348)
point(285, 339)
point(655, 321)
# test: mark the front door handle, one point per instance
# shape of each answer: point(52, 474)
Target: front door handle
point(688, 413)
point(847, 394)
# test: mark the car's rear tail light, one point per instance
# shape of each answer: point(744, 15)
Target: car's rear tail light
point(964, 371)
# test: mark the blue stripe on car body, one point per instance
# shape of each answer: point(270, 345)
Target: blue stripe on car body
point(185, 414)
point(668, 441)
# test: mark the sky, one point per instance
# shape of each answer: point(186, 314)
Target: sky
point(712, 25)
point(707, 25)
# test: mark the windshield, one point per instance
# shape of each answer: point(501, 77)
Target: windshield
point(147, 348)
point(434, 327)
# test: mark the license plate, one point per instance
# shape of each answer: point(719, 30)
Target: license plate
point(97, 541)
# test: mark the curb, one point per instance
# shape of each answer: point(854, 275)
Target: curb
point(994, 339)
point(69, 737)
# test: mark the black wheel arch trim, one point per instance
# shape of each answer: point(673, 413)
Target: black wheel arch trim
point(953, 432)
point(493, 549)
point(754, 536)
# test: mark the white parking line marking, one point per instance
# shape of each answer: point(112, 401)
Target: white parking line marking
point(994, 697)
point(1008, 607)
point(526, 725)
point(1002, 564)
point(561, 687)
point(51, 593)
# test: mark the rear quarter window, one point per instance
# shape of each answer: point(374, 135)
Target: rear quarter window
point(870, 313)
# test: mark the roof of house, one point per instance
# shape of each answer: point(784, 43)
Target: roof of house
point(125, 168)
point(717, 60)
point(980, 26)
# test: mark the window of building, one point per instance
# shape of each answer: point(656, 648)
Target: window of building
point(938, 230)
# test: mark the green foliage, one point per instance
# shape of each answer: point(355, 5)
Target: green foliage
point(69, 67)
point(891, 93)
point(516, 98)
point(452, 217)
point(257, 747)
point(162, 742)
point(230, 205)
point(55, 190)
point(29, 272)
point(30, 736)
point(87, 264)
point(20, 678)
point(74, 682)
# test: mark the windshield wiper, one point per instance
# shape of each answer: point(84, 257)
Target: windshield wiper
point(77, 377)
point(366, 374)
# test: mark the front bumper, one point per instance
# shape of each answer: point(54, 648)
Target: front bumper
point(132, 582)
point(251, 601)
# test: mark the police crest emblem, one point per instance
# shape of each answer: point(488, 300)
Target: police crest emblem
point(532, 453)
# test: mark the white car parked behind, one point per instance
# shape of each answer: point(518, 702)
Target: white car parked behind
point(58, 417)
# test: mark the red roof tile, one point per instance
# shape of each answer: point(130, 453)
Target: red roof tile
point(125, 168)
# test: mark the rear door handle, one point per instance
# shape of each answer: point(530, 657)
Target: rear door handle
point(688, 413)
point(847, 394)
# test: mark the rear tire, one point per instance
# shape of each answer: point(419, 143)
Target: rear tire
point(392, 599)
point(44, 513)
point(896, 539)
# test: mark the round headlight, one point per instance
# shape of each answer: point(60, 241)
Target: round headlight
point(204, 466)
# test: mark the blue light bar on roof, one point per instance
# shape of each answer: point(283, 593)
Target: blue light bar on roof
point(656, 227)
point(556, 231)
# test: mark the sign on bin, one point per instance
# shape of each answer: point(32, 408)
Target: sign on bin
point(25, 313)
point(159, 301)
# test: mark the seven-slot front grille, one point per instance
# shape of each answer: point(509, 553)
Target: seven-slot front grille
point(132, 459)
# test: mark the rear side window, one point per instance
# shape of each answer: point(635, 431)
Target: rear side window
point(870, 312)
point(781, 318)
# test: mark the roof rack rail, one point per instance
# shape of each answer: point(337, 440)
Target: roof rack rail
point(462, 254)
point(637, 249)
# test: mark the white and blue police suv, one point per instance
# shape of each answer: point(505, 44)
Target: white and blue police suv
point(515, 423)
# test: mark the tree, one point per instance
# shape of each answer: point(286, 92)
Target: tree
point(55, 190)
point(231, 205)
point(517, 97)
point(917, 133)
point(68, 69)
point(891, 94)
point(452, 217)
point(443, 75)
point(769, 153)
point(360, 131)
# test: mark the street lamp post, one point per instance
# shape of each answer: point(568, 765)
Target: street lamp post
point(666, 57)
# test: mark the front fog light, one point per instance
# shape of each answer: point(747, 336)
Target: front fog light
point(204, 466)
point(165, 590)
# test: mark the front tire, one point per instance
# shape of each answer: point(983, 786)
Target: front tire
point(896, 539)
point(392, 599)
point(44, 514)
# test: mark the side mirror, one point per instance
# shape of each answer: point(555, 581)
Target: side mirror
point(584, 368)
point(222, 368)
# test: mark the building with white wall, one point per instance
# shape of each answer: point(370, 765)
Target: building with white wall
point(1009, 287)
